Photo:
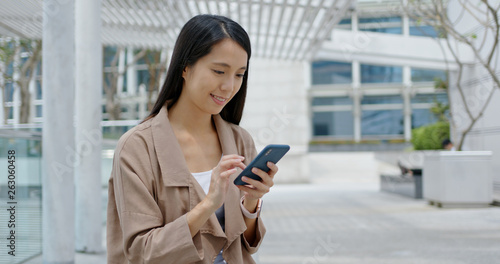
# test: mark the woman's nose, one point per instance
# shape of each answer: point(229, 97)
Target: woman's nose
point(228, 84)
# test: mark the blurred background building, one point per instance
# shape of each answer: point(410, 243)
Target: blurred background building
point(325, 75)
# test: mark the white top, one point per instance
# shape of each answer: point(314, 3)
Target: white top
point(203, 179)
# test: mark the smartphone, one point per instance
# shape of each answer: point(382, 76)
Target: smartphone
point(272, 153)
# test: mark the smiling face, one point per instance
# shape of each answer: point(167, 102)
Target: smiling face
point(214, 79)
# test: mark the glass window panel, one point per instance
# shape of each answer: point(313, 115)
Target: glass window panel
point(381, 74)
point(391, 30)
point(391, 25)
point(429, 98)
point(422, 117)
point(364, 20)
point(382, 122)
point(109, 55)
point(345, 24)
point(331, 72)
point(143, 77)
point(427, 75)
point(382, 99)
point(38, 111)
point(38, 90)
point(338, 123)
point(9, 92)
point(10, 113)
point(332, 101)
point(28, 218)
point(424, 31)
point(345, 21)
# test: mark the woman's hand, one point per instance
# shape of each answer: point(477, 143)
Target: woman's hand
point(220, 178)
point(256, 189)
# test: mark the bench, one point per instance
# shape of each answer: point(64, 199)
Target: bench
point(407, 185)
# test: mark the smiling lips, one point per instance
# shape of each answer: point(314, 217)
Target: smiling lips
point(218, 100)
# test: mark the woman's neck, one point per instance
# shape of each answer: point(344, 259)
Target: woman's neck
point(191, 120)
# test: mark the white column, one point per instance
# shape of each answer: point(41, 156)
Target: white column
point(32, 91)
point(356, 83)
point(16, 97)
point(58, 194)
point(354, 21)
point(142, 100)
point(131, 73)
point(2, 84)
point(121, 68)
point(406, 25)
point(88, 109)
point(407, 102)
point(131, 76)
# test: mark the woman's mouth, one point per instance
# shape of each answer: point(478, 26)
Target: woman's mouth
point(218, 100)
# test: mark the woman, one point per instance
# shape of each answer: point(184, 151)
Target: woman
point(171, 196)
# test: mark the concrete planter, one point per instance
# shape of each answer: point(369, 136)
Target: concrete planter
point(458, 178)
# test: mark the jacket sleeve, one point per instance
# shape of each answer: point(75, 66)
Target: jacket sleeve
point(146, 239)
point(260, 230)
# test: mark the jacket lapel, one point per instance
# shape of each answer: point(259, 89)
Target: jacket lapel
point(174, 170)
point(235, 224)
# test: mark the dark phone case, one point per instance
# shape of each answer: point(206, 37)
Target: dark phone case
point(272, 153)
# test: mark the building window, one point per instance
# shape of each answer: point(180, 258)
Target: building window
point(109, 55)
point(381, 74)
point(390, 25)
point(38, 111)
point(345, 23)
point(422, 117)
point(382, 122)
point(418, 28)
point(10, 113)
point(335, 123)
point(38, 90)
point(9, 92)
point(382, 115)
point(430, 98)
point(319, 101)
point(382, 99)
point(421, 105)
point(427, 75)
point(331, 72)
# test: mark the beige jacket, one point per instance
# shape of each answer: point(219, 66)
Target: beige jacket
point(151, 190)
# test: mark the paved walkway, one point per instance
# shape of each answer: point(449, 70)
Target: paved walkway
point(355, 223)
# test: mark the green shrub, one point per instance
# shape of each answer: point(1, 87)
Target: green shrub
point(430, 136)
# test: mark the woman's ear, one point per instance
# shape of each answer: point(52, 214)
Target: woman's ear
point(185, 72)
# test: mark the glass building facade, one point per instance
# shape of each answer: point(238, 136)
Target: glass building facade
point(381, 115)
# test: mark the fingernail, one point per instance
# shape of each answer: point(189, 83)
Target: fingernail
point(254, 170)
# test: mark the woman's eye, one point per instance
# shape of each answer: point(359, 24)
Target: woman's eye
point(240, 75)
point(218, 72)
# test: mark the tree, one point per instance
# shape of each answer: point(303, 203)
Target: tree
point(155, 68)
point(22, 70)
point(110, 82)
point(480, 40)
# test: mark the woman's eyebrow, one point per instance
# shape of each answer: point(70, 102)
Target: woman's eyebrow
point(223, 64)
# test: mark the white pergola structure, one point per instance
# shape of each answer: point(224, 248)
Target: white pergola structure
point(281, 29)
point(73, 32)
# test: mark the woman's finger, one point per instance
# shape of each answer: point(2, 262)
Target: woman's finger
point(259, 186)
point(231, 163)
point(253, 193)
point(273, 169)
point(266, 178)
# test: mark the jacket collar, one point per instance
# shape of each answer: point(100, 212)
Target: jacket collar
point(175, 172)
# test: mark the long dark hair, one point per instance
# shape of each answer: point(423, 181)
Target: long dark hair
point(196, 40)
